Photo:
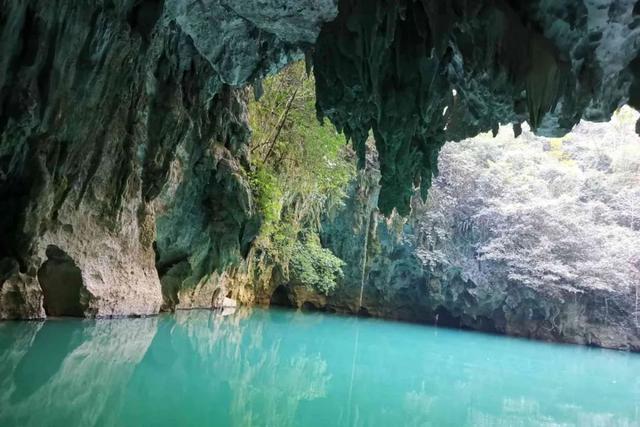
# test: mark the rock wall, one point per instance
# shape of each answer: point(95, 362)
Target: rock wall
point(123, 146)
point(385, 277)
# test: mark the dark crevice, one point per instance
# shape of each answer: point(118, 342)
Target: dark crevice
point(443, 317)
point(310, 306)
point(215, 298)
point(143, 16)
point(45, 74)
point(30, 37)
point(164, 266)
point(281, 297)
point(11, 104)
point(364, 312)
point(162, 120)
point(172, 274)
point(61, 283)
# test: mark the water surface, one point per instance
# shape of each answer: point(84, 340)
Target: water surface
point(284, 368)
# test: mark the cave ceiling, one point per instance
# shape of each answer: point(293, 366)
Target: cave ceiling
point(417, 73)
point(411, 73)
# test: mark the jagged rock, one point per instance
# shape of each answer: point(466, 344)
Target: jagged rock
point(20, 294)
point(246, 40)
point(382, 275)
point(419, 73)
point(123, 141)
point(396, 284)
point(120, 144)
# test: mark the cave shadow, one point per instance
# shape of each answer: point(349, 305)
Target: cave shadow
point(61, 283)
point(446, 319)
point(280, 297)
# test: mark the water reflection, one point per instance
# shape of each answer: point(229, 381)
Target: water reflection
point(225, 371)
point(283, 368)
point(68, 372)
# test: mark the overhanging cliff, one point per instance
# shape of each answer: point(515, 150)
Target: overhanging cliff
point(123, 145)
point(123, 137)
point(420, 73)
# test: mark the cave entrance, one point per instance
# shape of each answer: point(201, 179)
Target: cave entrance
point(61, 284)
point(280, 297)
point(309, 306)
point(443, 317)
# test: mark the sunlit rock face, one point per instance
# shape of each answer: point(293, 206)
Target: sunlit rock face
point(384, 276)
point(419, 73)
point(123, 145)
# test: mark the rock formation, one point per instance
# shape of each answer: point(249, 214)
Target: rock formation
point(123, 145)
point(420, 73)
point(123, 141)
point(385, 277)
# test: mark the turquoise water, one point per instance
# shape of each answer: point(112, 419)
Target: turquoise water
point(286, 368)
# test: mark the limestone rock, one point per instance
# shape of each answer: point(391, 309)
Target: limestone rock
point(20, 294)
point(123, 136)
point(419, 73)
point(395, 284)
point(229, 303)
point(123, 149)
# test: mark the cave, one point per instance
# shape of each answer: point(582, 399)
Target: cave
point(311, 306)
point(143, 16)
point(61, 282)
point(444, 317)
point(364, 312)
point(431, 161)
point(280, 297)
point(157, 92)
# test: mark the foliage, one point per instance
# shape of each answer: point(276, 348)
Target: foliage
point(300, 167)
point(548, 214)
point(316, 266)
point(268, 195)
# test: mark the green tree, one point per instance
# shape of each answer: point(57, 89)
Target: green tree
point(300, 169)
